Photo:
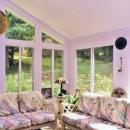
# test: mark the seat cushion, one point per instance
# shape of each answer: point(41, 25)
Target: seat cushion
point(79, 120)
point(89, 104)
point(40, 117)
point(112, 109)
point(83, 121)
point(18, 121)
point(101, 126)
point(124, 129)
point(14, 122)
point(31, 101)
point(5, 123)
point(8, 104)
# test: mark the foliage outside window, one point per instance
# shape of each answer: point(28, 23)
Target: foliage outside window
point(48, 38)
point(57, 69)
point(26, 72)
point(18, 28)
point(46, 68)
point(103, 69)
point(18, 79)
point(83, 69)
point(12, 69)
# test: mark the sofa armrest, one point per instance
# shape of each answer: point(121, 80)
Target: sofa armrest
point(51, 106)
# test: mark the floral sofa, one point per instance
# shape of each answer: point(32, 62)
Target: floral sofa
point(26, 110)
point(96, 112)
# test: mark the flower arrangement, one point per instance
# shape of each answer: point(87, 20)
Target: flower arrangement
point(3, 22)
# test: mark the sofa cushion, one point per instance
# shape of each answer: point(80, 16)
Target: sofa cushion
point(127, 119)
point(40, 117)
point(112, 109)
point(79, 119)
point(14, 122)
point(18, 121)
point(124, 129)
point(8, 104)
point(89, 104)
point(101, 126)
point(5, 124)
point(31, 101)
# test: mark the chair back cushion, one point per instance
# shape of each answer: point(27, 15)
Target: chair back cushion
point(8, 104)
point(112, 109)
point(31, 101)
point(88, 104)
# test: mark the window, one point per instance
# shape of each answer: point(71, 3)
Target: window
point(18, 69)
point(18, 28)
point(46, 68)
point(58, 70)
point(51, 66)
point(26, 69)
point(83, 69)
point(103, 69)
point(103, 58)
point(48, 38)
point(12, 69)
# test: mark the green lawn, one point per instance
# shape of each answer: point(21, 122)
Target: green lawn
point(103, 75)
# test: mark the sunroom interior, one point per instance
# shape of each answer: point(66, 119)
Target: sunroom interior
point(74, 39)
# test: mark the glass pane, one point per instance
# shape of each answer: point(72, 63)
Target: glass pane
point(18, 28)
point(48, 38)
point(12, 72)
point(103, 69)
point(26, 64)
point(58, 70)
point(83, 69)
point(46, 68)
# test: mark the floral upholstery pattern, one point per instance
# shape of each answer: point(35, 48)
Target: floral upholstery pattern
point(14, 122)
point(124, 129)
point(127, 119)
point(101, 126)
point(31, 101)
point(8, 104)
point(112, 109)
point(4, 123)
point(18, 121)
point(89, 104)
point(84, 121)
point(40, 117)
